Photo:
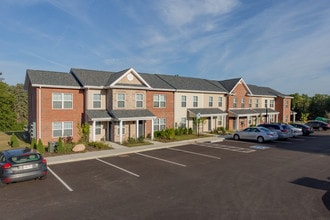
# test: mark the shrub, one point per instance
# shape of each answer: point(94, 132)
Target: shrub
point(60, 146)
point(98, 145)
point(14, 141)
point(33, 144)
point(40, 147)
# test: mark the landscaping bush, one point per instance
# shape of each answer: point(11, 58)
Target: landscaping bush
point(40, 147)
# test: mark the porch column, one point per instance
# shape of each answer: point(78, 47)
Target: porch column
point(108, 131)
point(212, 122)
point(237, 123)
point(120, 131)
point(93, 131)
point(137, 129)
point(152, 129)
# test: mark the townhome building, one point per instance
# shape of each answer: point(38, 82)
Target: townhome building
point(127, 104)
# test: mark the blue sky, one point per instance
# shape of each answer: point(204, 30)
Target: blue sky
point(282, 44)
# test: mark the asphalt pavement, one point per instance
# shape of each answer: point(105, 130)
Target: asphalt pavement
point(118, 149)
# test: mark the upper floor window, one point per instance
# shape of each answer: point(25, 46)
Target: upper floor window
point(96, 100)
point(62, 100)
point(159, 101)
point(139, 100)
point(266, 103)
point(286, 104)
point(257, 103)
point(235, 102)
point(271, 103)
point(250, 103)
point(219, 101)
point(242, 103)
point(195, 101)
point(183, 101)
point(121, 100)
point(62, 129)
point(210, 101)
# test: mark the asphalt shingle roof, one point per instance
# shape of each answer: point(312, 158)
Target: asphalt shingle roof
point(51, 78)
point(155, 81)
point(229, 84)
point(139, 113)
point(264, 91)
point(98, 114)
point(206, 111)
point(92, 77)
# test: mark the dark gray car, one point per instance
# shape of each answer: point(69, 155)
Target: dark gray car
point(20, 165)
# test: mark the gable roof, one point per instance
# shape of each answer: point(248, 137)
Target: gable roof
point(50, 78)
point(189, 83)
point(231, 84)
point(156, 82)
point(264, 91)
point(94, 78)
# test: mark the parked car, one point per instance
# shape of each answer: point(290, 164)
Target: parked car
point(296, 131)
point(283, 131)
point(259, 134)
point(319, 125)
point(21, 164)
point(305, 128)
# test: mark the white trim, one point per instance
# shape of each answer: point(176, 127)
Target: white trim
point(130, 71)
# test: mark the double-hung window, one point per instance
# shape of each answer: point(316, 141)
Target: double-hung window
point(219, 120)
point(96, 100)
point(235, 102)
point(62, 129)
point(159, 101)
point(257, 103)
point(183, 101)
point(121, 100)
point(219, 101)
point(271, 103)
point(98, 127)
point(139, 100)
point(210, 101)
point(250, 103)
point(243, 103)
point(266, 103)
point(159, 124)
point(195, 101)
point(62, 100)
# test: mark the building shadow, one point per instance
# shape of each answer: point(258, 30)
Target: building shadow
point(316, 184)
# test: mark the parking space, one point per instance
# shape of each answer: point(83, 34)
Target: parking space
point(157, 179)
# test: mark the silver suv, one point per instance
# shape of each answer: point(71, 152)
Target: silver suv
point(283, 130)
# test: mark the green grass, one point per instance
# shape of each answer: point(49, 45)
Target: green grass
point(5, 138)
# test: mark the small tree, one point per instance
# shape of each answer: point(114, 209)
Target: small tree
point(14, 141)
point(33, 144)
point(60, 147)
point(40, 147)
point(83, 130)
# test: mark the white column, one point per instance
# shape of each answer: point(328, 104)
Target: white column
point(137, 129)
point(93, 131)
point(121, 131)
point(237, 123)
point(152, 129)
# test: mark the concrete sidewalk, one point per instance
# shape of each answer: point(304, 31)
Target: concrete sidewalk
point(120, 149)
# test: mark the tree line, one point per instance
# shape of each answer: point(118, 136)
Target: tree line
point(14, 106)
point(308, 108)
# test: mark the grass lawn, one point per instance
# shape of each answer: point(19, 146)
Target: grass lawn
point(5, 138)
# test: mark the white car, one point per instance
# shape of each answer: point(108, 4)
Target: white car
point(259, 134)
point(296, 131)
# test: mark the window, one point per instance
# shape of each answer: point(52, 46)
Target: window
point(271, 103)
point(242, 103)
point(159, 101)
point(250, 103)
point(266, 103)
point(183, 122)
point(219, 101)
point(98, 125)
point(257, 103)
point(183, 101)
point(96, 100)
point(235, 102)
point(139, 100)
point(121, 100)
point(286, 118)
point(159, 124)
point(219, 120)
point(62, 100)
point(250, 120)
point(195, 101)
point(210, 101)
point(62, 129)
point(286, 104)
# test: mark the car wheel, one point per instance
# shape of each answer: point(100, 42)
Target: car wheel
point(236, 137)
point(260, 139)
point(43, 177)
point(320, 129)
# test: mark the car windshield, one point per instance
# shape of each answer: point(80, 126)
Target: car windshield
point(25, 158)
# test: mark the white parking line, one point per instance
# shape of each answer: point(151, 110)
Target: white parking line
point(156, 158)
point(134, 174)
point(199, 154)
point(230, 148)
point(57, 177)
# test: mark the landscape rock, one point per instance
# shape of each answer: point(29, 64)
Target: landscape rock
point(79, 148)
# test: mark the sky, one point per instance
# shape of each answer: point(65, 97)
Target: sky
point(282, 44)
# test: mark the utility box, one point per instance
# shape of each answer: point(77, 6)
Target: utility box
point(52, 146)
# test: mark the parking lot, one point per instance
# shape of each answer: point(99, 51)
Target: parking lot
point(287, 179)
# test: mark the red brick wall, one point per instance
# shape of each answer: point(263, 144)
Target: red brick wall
point(167, 112)
point(47, 115)
point(283, 108)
